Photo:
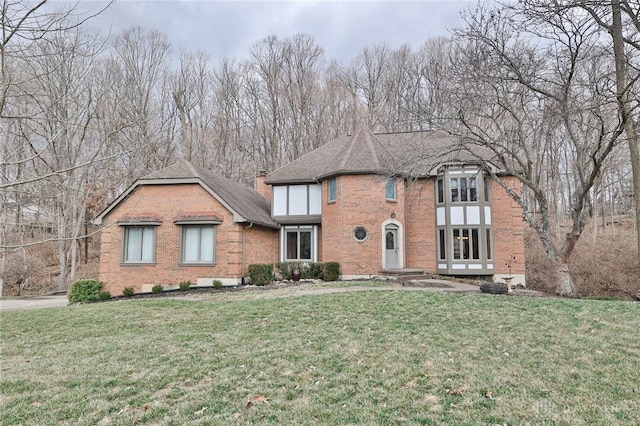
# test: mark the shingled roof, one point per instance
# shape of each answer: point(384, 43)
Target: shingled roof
point(407, 153)
point(245, 203)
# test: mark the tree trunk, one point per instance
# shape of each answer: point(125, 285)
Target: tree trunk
point(74, 259)
point(62, 261)
point(564, 283)
point(625, 107)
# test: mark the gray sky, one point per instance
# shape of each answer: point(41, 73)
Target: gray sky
point(230, 28)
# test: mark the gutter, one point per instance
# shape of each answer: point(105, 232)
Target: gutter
point(244, 236)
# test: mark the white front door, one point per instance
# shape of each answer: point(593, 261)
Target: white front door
point(391, 247)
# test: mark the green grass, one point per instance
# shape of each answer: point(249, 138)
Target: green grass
point(368, 357)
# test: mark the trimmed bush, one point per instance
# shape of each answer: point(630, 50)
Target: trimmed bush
point(185, 285)
point(331, 271)
point(104, 295)
point(128, 292)
point(84, 291)
point(261, 273)
point(157, 289)
point(217, 284)
point(315, 271)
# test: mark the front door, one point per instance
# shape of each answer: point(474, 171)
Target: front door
point(391, 247)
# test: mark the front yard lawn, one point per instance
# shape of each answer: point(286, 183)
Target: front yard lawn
point(368, 357)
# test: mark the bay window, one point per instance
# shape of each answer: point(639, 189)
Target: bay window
point(463, 220)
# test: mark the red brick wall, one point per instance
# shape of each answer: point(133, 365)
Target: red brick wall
point(508, 226)
point(261, 246)
point(420, 228)
point(361, 201)
point(168, 203)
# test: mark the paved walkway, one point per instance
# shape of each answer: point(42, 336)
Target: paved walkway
point(38, 302)
point(441, 286)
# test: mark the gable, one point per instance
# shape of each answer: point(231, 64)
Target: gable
point(246, 205)
point(162, 204)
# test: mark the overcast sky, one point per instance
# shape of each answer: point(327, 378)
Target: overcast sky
point(230, 28)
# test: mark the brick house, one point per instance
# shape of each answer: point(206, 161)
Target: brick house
point(375, 203)
point(184, 223)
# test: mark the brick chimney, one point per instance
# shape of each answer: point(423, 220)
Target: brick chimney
point(262, 188)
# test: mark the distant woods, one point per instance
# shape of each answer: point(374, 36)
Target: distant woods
point(83, 115)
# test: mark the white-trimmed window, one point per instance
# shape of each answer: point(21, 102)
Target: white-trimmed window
point(299, 243)
point(139, 244)
point(198, 244)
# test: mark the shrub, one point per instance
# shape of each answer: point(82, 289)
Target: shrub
point(104, 295)
point(315, 271)
point(599, 265)
point(217, 284)
point(84, 291)
point(261, 273)
point(128, 292)
point(331, 271)
point(19, 271)
point(157, 289)
point(308, 270)
point(285, 269)
point(185, 285)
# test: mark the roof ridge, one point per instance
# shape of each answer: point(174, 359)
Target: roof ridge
point(374, 154)
point(403, 132)
point(191, 168)
point(352, 142)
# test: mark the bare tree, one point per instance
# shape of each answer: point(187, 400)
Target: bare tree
point(139, 80)
point(434, 104)
point(365, 77)
point(25, 24)
point(622, 22)
point(192, 92)
point(527, 91)
point(58, 134)
point(45, 63)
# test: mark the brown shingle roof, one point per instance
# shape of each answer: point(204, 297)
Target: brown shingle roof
point(242, 200)
point(246, 204)
point(408, 153)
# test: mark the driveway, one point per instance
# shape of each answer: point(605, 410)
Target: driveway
point(38, 302)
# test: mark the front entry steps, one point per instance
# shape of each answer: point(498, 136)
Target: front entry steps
point(402, 274)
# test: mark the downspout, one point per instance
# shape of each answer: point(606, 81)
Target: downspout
point(244, 235)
